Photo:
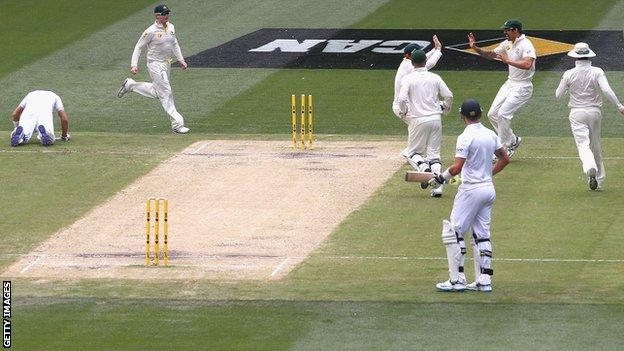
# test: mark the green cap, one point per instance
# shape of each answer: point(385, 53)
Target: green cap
point(411, 47)
point(162, 10)
point(512, 23)
point(418, 56)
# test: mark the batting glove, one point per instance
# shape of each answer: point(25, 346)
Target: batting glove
point(436, 181)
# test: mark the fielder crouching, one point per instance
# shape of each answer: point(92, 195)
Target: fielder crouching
point(472, 207)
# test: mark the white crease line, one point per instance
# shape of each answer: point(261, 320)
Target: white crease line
point(556, 260)
point(279, 267)
point(200, 148)
point(32, 264)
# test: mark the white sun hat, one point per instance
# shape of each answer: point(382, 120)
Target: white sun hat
point(581, 50)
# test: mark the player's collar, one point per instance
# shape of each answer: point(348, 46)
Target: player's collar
point(582, 63)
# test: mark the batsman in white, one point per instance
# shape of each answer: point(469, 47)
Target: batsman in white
point(162, 43)
point(517, 52)
point(473, 203)
point(585, 82)
point(36, 111)
point(420, 107)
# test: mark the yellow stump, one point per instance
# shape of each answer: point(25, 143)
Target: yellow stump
point(293, 105)
point(156, 229)
point(166, 231)
point(148, 210)
point(303, 124)
point(310, 121)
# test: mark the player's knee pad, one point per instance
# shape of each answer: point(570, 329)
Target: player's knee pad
point(451, 241)
point(483, 254)
point(435, 161)
point(419, 163)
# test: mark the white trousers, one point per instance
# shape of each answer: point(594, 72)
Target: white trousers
point(473, 208)
point(510, 97)
point(160, 88)
point(585, 125)
point(30, 123)
point(424, 137)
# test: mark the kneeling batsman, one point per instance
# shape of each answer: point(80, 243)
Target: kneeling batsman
point(472, 207)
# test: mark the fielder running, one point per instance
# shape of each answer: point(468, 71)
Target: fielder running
point(36, 111)
point(517, 52)
point(161, 41)
point(584, 83)
point(421, 108)
point(473, 203)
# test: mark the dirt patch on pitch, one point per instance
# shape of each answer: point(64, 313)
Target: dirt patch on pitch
point(238, 210)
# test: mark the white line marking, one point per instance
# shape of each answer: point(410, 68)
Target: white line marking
point(538, 260)
point(200, 148)
point(279, 267)
point(32, 264)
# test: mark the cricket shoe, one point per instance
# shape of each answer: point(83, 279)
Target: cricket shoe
point(437, 192)
point(591, 179)
point(450, 286)
point(125, 87)
point(181, 130)
point(475, 286)
point(514, 146)
point(46, 139)
point(17, 136)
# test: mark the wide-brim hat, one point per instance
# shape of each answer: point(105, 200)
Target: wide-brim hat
point(581, 50)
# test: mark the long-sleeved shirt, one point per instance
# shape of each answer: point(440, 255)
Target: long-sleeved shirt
point(420, 94)
point(406, 67)
point(161, 42)
point(585, 83)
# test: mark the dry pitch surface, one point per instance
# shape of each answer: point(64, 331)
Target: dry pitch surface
point(237, 210)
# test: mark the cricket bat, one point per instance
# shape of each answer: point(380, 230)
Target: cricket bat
point(420, 177)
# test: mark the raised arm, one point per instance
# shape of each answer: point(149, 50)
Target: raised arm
point(472, 41)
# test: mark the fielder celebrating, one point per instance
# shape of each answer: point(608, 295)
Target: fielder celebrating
point(35, 111)
point(585, 83)
point(517, 52)
point(161, 41)
point(406, 67)
point(421, 108)
point(473, 203)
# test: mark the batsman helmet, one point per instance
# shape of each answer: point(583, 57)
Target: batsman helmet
point(162, 10)
point(470, 109)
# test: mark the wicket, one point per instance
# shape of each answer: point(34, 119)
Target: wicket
point(156, 228)
point(293, 104)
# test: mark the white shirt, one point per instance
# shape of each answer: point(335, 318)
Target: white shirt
point(585, 83)
point(420, 94)
point(518, 50)
point(406, 67)
point(477, 145)
point(161, 42)
point(41, 105)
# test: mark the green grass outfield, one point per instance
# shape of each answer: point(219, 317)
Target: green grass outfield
point(559, 259)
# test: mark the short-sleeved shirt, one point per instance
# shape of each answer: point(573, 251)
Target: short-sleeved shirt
point(41, 104)
point(518, 50)
point(477, 145)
